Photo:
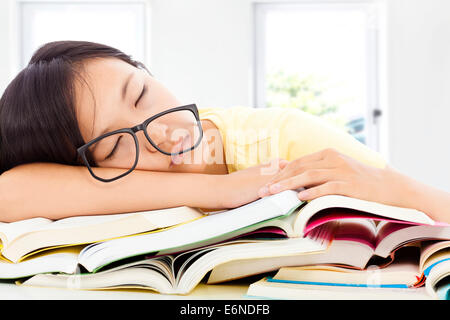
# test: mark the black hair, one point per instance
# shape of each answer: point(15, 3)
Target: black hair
point(38, 121)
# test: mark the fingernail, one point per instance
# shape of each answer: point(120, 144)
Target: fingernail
point(275, 188)
point(303, 195)
point(263, 191)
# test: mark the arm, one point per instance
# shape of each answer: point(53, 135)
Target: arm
point(330, 172)
point(417, 195)
point(58, 191)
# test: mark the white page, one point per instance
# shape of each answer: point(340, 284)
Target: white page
point(193, 232)
point(14, 229)
point(57, 262)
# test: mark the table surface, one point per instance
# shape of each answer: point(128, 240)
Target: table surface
point(227, 291)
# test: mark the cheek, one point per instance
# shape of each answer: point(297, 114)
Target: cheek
point(153, 161)
point(193, 162)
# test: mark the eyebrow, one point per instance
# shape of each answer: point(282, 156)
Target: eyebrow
point(123, 95)
point(125, 85)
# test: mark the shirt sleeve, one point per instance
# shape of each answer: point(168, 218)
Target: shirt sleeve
point(301, 134)
point(253, 136)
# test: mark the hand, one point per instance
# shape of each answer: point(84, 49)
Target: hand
point(329, 172)
point(241, 187)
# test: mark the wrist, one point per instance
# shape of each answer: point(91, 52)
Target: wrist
point(221, 195)
point(233, 190)
point(427, 199)
point(408, 192)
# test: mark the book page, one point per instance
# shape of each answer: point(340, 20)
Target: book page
point(10, 231)
point(437, 273)
point(197, 233)
point(359, 230)
point(358, 208)
point(435, 259)
point(160, 218)
point(429, 248)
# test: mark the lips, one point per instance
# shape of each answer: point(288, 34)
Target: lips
point(183, 144)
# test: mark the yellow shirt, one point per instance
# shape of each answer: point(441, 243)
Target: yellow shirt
point(253, 136)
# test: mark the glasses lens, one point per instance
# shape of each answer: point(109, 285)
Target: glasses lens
point(116, 152)
point(175, 132)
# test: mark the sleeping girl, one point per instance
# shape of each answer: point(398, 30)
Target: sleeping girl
point(87, 130)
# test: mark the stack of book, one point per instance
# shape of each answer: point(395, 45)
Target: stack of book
point(332, 241)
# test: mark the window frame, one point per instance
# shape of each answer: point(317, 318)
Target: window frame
point(376, 113)
point(19, 63)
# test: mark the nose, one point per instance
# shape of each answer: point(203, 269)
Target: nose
point(144, 144)
point(158, 133)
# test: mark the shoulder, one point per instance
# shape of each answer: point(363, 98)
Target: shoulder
point(242, 116)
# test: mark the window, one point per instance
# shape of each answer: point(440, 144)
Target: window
point(120, 24)
point(321, 57)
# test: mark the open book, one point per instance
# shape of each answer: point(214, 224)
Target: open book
point(199, 232)
point(180, 273)
point(355, 242)
point(23, 238)
point(335, 207)
point(186, 253)
point(438, 282)
point(437, 272)
point(272, 211)
point(60, 260)
point(411, 268)
point(176, 274)
point(214, 228)
point(423, 263)
point(265, 289)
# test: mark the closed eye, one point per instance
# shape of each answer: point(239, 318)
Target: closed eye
point(144, 90)
point(113, 151)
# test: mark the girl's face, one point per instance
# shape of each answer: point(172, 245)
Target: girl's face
point(116, 95)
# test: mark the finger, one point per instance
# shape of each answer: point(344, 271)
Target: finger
point(297, 168)
point(316, 160)
point(283, 180)
point(283, 163)
point(274, 167)
point(306, 179)
point(328, 188)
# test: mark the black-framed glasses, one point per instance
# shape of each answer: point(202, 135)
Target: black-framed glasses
point(171, 132)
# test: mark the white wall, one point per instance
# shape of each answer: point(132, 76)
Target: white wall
point(202, 50)
point(419, 88)
point(7, 44)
